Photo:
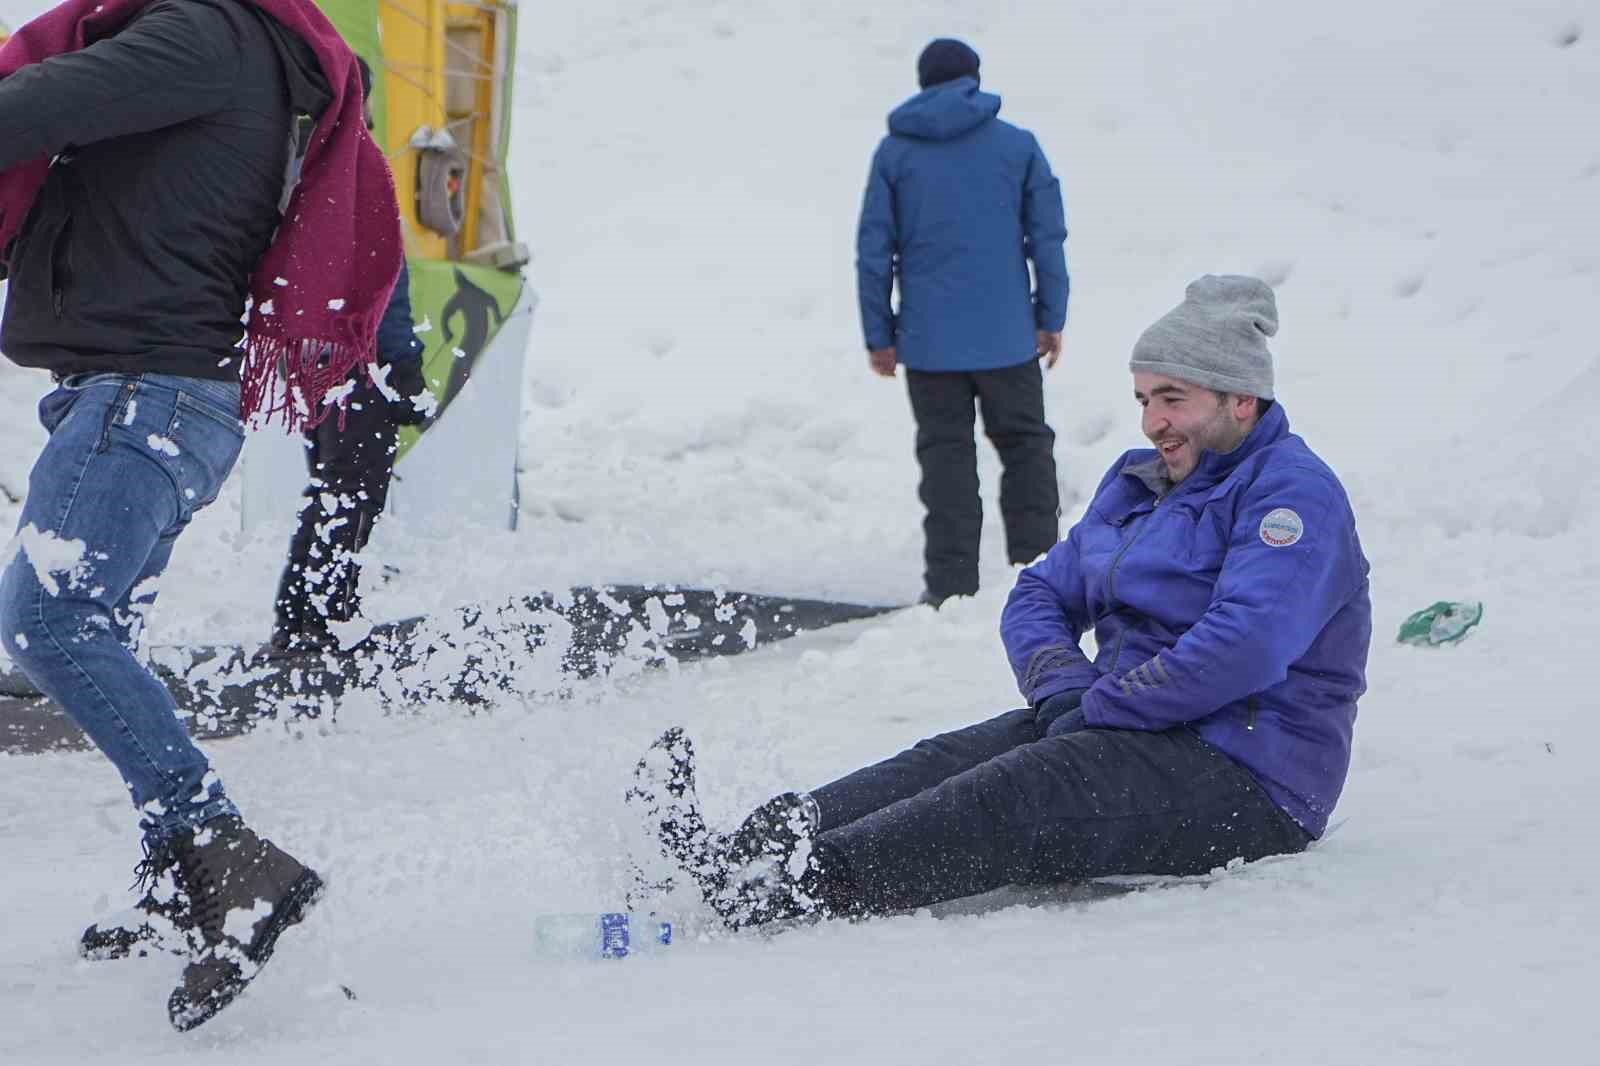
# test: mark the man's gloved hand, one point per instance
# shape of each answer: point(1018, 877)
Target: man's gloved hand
point(1060, 713)
point(412, 391)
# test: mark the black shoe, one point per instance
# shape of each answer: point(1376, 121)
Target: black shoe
point(761, 873)
point(294, 643)
point(937, 600)
point(775, 831)
point(159, 921)
point(243, 892)
point(773, 874)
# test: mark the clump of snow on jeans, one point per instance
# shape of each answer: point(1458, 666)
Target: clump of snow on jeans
point(50, 555)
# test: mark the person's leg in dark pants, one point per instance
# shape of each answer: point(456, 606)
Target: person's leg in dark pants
point(921, 767)
point(664, 794)
point(350, 471)
point(1012, 403)
point(358, 464)
point(292, 602)
point(1093, 803)
point(948, 456)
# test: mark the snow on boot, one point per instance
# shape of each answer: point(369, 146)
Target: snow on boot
point(149, 925)
point(159, 921)
point(775, 831)
point(769, 857)
point(664, 795)
point(243, 892)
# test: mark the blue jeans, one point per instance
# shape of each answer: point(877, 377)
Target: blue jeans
point(130, 460)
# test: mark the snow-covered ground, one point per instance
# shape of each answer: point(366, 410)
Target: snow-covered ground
point(1419, 180)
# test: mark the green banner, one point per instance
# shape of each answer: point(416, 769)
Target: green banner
point(459, 308)
point(357, 23)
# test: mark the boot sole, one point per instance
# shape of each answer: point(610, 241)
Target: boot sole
point(291, 910)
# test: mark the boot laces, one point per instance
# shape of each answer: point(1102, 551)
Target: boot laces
point(158, 859)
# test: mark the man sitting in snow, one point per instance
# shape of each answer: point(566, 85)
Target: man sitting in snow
point(1226, 586)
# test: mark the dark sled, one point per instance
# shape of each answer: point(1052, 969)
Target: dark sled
point(475, 656)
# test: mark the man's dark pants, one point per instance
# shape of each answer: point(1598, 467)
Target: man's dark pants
point(1012, 402)
point(999, 803)
point(350, 470)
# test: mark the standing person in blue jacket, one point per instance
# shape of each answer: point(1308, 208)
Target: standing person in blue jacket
point(1225, 584)
point(351, 462)
point(957, 205)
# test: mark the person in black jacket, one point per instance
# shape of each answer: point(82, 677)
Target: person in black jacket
point(161, 164)
point(351, 463)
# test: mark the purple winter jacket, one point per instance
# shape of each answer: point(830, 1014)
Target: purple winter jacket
point(1234, 604)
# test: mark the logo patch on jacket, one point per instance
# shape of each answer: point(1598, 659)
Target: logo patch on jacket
point(1281, 528)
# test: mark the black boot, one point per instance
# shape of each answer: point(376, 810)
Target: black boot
point(774, 831)
point(773, 872)
point(159, 921)
point(312, 637)
point(760, 873)
point(243, 892)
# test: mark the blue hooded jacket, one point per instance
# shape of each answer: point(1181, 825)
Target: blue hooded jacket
point(956, 204)
point(1234, 604)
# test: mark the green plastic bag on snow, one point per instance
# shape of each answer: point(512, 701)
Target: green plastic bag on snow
point(1443, 623)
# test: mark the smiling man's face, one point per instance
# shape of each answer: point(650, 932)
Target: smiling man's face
point(1182, 420)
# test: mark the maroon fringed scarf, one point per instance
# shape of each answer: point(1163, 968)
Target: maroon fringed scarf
point(321, 288)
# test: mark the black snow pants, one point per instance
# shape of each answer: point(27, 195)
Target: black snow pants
point(1012, 402)
point(350, 469)
point(997, 804)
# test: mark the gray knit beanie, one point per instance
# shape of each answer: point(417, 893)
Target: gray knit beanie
point(1216, 338)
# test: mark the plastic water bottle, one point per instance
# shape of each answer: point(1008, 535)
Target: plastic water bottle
point(610, 935)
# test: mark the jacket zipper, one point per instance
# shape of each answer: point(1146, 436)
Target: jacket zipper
point(1250, 717)
point(1111, 580)
point(1111, 575)
point(60, 267)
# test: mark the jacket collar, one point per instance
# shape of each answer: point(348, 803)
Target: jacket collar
point(1145, 465)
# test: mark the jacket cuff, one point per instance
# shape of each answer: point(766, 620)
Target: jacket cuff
point(1055, 668)
point(1055, 684)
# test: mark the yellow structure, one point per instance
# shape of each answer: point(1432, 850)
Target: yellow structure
point(444, 115)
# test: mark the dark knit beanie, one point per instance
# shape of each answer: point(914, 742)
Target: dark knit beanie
point(946, 60)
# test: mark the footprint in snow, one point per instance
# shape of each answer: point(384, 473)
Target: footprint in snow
point(658, 343)
point(1408, 286)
